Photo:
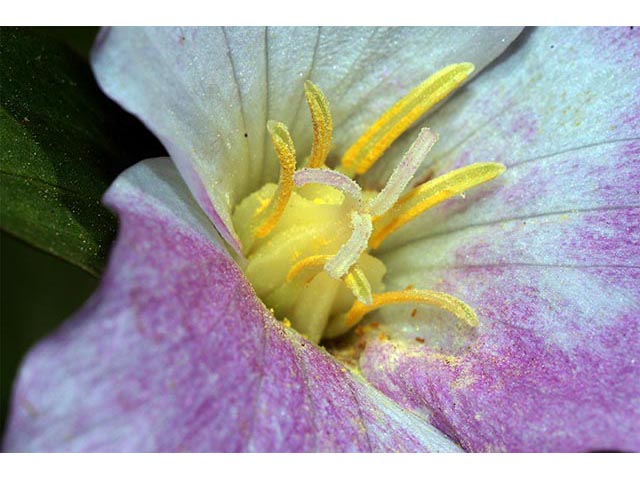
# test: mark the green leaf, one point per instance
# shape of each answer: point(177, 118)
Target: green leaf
point(63, 143)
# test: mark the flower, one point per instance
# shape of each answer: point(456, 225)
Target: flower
point(175, 352)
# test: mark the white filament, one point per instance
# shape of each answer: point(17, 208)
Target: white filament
point(350, 252)
point(331, 178)
point(403, 173)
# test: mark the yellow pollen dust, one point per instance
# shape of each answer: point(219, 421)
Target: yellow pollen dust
point(427, 297)
point(322, 124)
point(286, 152)
point(430, 194)
point(309, 240)
point(395, 121)
point(313, 263)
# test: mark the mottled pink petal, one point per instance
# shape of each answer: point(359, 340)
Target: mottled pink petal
point(174, 352)
point(207, 93)
point(549, 255)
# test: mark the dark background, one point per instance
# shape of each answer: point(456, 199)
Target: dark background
point(39, 291)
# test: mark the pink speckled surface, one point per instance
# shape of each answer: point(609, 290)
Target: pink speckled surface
point(174, 352)
point(548, 255)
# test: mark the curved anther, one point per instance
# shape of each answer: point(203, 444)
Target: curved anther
point(283, 145)
point(361, 156)
point(427, 297)
point(322, 124)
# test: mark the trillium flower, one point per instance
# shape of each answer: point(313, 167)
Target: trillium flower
point(176, 352)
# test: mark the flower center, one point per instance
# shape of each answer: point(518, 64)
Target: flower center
point(308, 240)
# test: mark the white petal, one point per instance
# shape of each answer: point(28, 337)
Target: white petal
point(548, 255)
point(559, 111)
point(207, 93)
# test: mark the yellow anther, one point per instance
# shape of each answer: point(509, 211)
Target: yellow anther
point(436, 299)
point(313, 263)
point(395, 121)
point(322, 124)
point(430, 194)
point(284, 232)
point(283, 145)
point(357, 282)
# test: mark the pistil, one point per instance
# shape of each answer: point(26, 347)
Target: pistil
point(309, 239)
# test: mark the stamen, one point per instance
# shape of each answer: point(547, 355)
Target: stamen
point(395, 121)
point(322, 124)
point(283, 145)
point(403, 173)
point(430, 194)
point(349, 253)
point(306, 229)
point(329, 177)
point(357, 282)
point(314, 262)
point(436, 299)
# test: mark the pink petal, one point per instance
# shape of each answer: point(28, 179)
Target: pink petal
point(174, 352)
point(549, 255)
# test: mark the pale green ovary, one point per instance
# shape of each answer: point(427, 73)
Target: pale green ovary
point(316, 221)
